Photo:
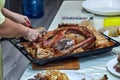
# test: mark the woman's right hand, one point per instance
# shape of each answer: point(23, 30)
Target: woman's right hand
point(32, 35)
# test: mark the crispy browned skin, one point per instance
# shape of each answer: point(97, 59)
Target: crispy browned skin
point(49, 40)
point(101, 41)
point(117, 65)
point(84, 38)
point(52, 37)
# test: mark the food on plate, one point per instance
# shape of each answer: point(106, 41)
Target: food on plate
point(50, 75)
point(112, 24)
point(105, 77)
point(117, 65)
point(67, 39)
point(113, 31)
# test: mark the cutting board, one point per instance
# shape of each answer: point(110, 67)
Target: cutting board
point(73, 64)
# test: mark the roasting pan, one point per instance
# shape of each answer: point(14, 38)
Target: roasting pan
point(16, 43)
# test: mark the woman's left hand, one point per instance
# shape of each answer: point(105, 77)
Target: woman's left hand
point(22, 19)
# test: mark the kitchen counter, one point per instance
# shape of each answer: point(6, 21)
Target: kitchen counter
point(94, 65)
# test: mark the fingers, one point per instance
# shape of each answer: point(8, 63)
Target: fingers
point(41, 30)
point(21, 19)
point(39, 38)
point(27, 22)
point(24, 20)
point(35, 34)
point(32, 35)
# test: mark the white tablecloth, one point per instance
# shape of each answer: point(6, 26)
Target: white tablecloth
point(94, 65)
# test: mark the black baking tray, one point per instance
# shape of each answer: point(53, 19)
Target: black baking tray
point(16, 42)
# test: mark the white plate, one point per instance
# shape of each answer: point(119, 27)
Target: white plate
point(110, 66)
point(102, 7)
point(72, 75)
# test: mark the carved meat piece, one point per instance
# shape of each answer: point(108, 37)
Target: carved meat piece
point(117, 65)
point(101, 41)
point(64, 44)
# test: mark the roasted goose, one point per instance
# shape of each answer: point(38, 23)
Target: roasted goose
point(66, 39)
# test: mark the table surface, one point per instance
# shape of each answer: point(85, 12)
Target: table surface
point(95, 65)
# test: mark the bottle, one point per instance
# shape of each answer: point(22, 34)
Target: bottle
point(33, 8)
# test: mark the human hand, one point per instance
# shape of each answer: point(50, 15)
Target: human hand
point(16, 17)
point(22, 19)
point(32, 35)
point(41, 30)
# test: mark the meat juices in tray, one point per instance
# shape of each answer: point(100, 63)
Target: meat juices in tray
point(66, 42)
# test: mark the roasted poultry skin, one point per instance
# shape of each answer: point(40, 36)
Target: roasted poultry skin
point(67, 39)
